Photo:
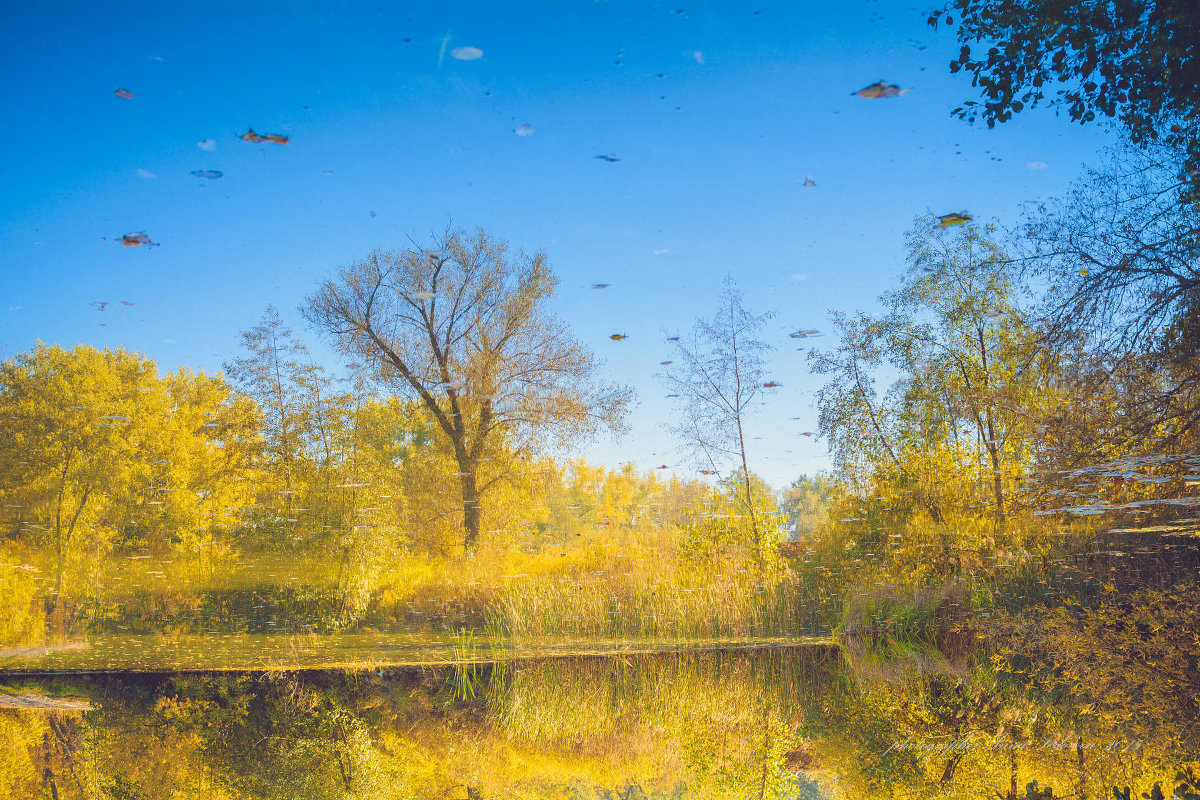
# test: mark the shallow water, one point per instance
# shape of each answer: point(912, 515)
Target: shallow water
point(781, 723)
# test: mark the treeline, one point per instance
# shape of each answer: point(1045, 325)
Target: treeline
point(987, 431)
point(148, 502)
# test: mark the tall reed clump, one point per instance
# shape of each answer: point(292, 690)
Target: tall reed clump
point(886, 635)
point(669, 694)
point(722, 608)
point(466, 677)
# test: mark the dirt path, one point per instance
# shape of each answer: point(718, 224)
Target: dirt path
point(41, 650)
point(33, 701)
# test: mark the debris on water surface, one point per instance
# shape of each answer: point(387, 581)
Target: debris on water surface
point(946, 220)
point(208, 174)
point(258, 138)
point(124, 94)
point(466, 53)
point(881, 89)
point(137, 240)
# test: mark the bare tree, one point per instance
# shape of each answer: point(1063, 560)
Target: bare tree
point(463, 327)
point(1121, 257)
point(1121, 252)
point(720, 373)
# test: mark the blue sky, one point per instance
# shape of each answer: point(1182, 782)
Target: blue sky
point(717, 114)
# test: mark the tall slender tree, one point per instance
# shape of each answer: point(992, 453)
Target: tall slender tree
point(972, 379)
point(280, 376)
point(721, 368)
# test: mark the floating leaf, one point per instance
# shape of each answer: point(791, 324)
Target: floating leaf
point(946, 220)
point(881, 89)
point(137, 240)
point(258, 138)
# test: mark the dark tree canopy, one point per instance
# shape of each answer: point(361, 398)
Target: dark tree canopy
point(1131, 60)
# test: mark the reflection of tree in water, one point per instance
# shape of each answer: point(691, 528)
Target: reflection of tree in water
point(777, 724)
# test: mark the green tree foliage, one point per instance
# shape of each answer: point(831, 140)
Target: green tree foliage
point(804, 503)
point(293, 395)
point(956, 427)
point(463, 328)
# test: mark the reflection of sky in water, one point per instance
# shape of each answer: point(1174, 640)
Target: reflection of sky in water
point(643, 148)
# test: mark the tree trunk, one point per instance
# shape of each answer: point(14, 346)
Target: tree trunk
point(1081, 772)
point(758, 554)
point(997, 481)
point(470, 500)
point(47, 771)
point(58, 538)
point(1012, 761)
point(951, 767)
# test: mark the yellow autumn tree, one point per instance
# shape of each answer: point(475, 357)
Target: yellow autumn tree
point(96, 449)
